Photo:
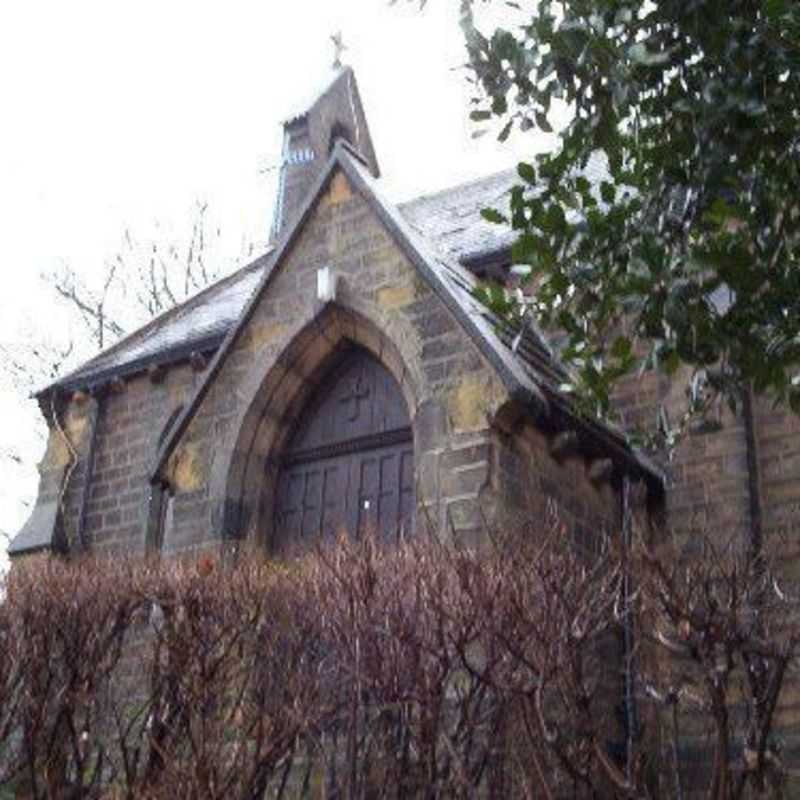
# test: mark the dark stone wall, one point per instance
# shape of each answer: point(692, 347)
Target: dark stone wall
point(130, 424)
point(469, 474)
point(470, 471)
point(714, 473)
point(219, 474)
point(382, 305)
point(536, 486)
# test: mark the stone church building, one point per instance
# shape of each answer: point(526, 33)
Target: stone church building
point(347, 379)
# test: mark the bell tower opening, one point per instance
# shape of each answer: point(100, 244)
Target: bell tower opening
point(349, 463)
point(309, 138)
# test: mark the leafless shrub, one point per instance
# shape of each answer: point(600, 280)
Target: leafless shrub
point(723, 633)
point(373, 671)
point(235, 677)
point(64, 628)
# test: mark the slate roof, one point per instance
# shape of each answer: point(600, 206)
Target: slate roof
point(531, 372)
point(445, 231)
point(38, 532)
point(303, 108)
point(450, 220)
point(199, 324)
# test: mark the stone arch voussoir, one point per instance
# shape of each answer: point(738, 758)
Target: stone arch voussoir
point(287, 385)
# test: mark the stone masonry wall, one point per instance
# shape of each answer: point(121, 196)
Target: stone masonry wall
point(130, 423)
point(713, 480)
point(710, 485)
point(535, 486)
point(452, 392)
point(469, 474)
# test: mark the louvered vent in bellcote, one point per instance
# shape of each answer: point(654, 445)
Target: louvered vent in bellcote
point(309, 138)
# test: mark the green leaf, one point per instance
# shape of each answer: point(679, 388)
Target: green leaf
point(541, 121)
point(499, 105)
point(621, 348)
point(582, 184)
point(698, 123)
point(494, 216)
point(527, 248)
point(480, 116)
point(773, 9)
point(527, 172)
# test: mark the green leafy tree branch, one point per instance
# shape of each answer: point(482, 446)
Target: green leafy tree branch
point(663, 230)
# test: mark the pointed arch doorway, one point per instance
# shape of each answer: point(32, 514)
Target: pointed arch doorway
point(349, 463)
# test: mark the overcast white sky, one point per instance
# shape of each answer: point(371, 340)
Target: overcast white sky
point(118, 115)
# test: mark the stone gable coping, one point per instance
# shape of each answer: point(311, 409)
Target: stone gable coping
point(452, 284)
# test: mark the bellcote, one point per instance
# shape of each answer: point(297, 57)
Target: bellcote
point(309, 138)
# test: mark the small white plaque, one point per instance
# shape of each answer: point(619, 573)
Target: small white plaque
point(326, 284)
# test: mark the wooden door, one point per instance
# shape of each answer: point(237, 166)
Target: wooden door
point(349, 465)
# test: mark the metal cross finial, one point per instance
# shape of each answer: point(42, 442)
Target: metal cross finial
point(339, 48)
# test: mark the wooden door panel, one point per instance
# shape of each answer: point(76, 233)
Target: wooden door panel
point(289, 519)
point(385, 490)
point(388, 493)
point(350, 464)
point(365, 471)
point(312, 503)
point(334, 498)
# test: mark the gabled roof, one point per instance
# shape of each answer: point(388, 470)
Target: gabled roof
point(530, 376)
point(308, 139)
point(450, 220)
point(340, 74)
point(197, 325)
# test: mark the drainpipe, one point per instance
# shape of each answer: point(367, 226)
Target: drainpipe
point(89, 473)
point(67, 477)
point(627, 629)
point(753, 474)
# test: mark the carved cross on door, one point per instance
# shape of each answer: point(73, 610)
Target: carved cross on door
point(357, 390)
